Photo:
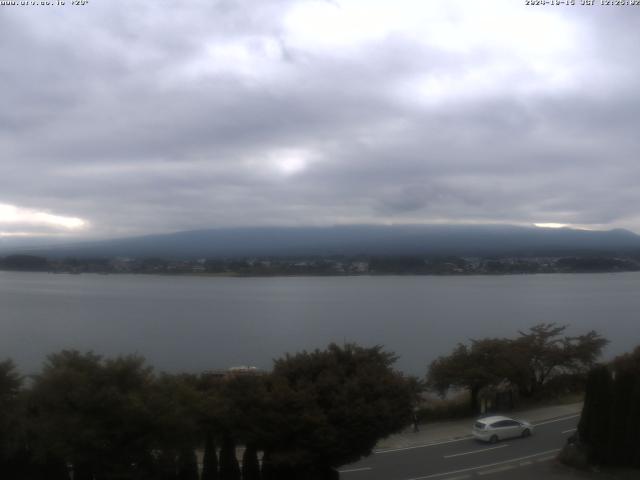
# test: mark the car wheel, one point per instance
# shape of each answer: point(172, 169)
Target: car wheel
point(526, 433)
point(493, 439)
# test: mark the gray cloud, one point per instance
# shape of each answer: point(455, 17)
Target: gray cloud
point(149, 117)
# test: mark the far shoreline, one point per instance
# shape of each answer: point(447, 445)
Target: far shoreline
point(327, 275)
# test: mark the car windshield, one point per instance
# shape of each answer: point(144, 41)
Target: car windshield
point(480, 425)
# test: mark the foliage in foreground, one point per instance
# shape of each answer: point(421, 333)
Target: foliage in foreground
point(115, 418)
point(331, 407)
point(609, 430)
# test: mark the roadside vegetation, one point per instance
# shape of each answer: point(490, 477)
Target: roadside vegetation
point(539, 366)
point(609, 430)
point(113, 418)
point(496, 373)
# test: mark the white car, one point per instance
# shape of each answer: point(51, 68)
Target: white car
point(493, 429)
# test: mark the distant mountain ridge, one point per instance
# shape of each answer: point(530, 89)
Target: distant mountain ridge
point(370, 240)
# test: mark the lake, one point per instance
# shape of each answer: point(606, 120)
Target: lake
point(185, 323)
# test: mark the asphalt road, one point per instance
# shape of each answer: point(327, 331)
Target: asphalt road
point(466, 458)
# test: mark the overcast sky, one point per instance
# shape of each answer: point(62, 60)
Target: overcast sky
point(129, 117)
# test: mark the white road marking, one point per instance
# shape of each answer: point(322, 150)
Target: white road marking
point(436, 475)
point(570, 430)
point(497, 470)
point(557, 420)
point(355, 470)
point(475, 451)
point(425, 445)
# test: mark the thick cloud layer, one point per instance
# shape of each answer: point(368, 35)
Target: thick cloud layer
point(133, 117)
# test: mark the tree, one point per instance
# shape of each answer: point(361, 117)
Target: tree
point(634, 419)
point(187, 464)
point(328, 408)
point(229, 467)
point(24, 262)
point(93, 413)
point(250, 464)
point(210, 459)
point(49, 468)
point(167, 465)
point(175, 402)
point(620, 438)
point(542, 352)
point(13, 455)
point(624, 437)
point(233, 407)
point(593, 427)
point(471, 367)
point(266, 469)
point(242, 401)
point(527, 362)
point(608, 428)
point(10, 381)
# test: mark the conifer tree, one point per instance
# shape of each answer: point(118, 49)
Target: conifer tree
point(596, 414)
point(187, 465)
point(167, 466)
point(12, 422)
point(250, 464)
point(624, 435)
point(620, 451)
point(229, 467)
point(267, 468)
point(210, 459)
point(634, 421)
point(52, 468)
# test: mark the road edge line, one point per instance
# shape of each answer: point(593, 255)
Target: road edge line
point(470, 469)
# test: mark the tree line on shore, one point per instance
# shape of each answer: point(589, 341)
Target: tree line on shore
point(96, 418)
point(325, 265)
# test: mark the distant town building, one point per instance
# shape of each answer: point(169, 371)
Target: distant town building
point(231, 372)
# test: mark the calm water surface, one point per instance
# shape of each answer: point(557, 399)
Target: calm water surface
point(195, 323)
